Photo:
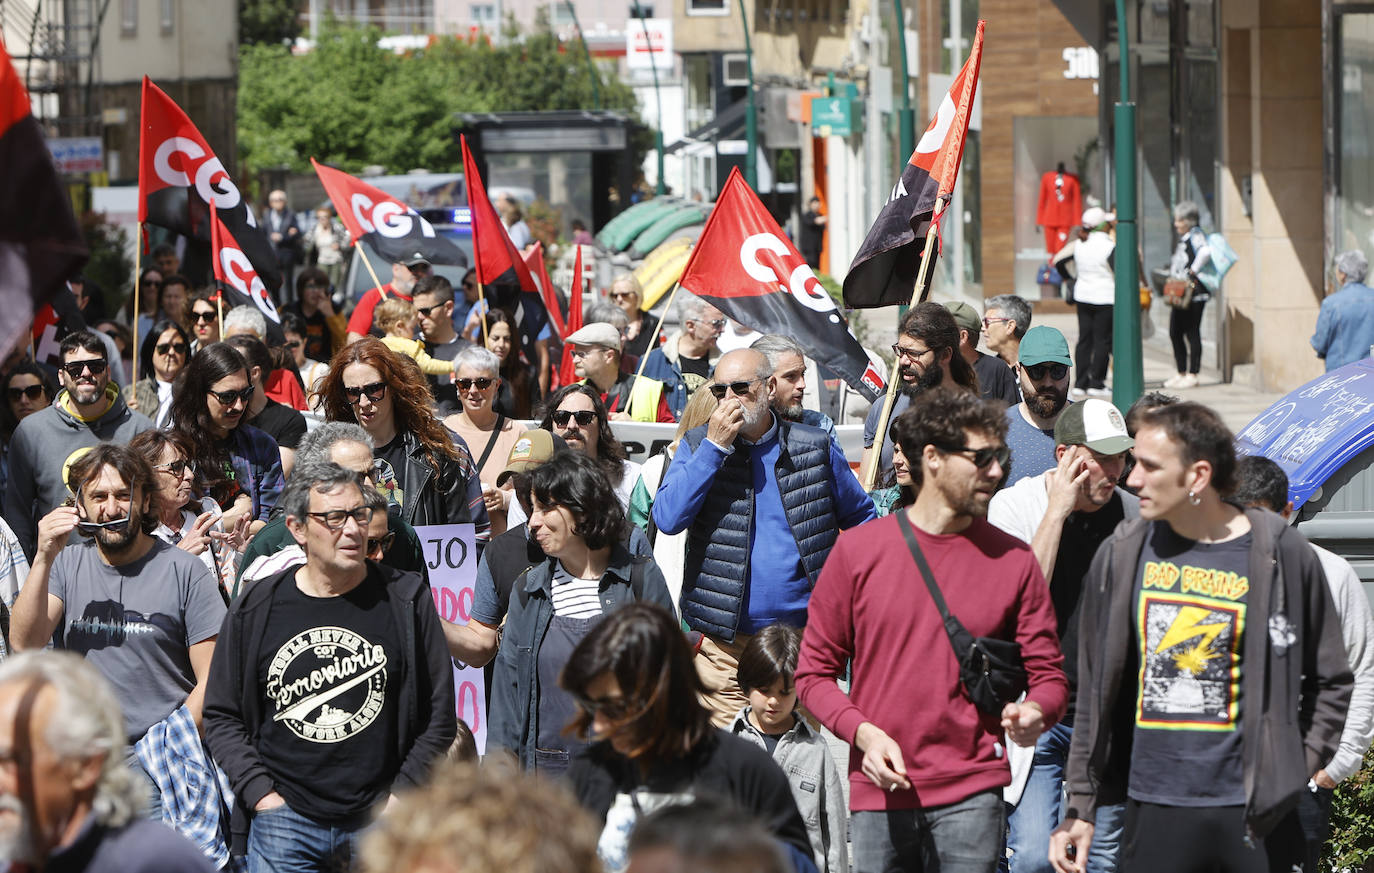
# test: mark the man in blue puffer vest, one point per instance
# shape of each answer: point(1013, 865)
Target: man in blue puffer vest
point(763, 500)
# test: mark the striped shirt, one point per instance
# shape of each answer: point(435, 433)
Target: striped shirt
point(574, 597)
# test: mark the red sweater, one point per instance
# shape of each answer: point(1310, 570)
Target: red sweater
point(871, 605)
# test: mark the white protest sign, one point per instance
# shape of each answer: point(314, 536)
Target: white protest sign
point(451, 554)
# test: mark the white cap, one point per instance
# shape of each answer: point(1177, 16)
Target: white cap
point(1095, 215)
point(1094, 423)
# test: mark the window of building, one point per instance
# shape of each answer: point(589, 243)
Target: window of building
point(128, 17)
point(641, 10)
point(167, 16)
point(708, 7)
point(1354, 109)
point(561, 14)
point(483, 14)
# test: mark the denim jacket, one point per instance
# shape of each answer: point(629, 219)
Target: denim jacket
point(1345, 326)
point(804, 756)
point(512, 722)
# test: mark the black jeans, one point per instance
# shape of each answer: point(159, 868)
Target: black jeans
point(1185, 332)
point(1206, 839)
point(1314, 813)
point(1094, 349)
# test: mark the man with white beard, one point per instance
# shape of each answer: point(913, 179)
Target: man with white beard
point(67, 800)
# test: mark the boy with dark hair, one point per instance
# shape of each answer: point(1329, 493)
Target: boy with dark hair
point(770, 721)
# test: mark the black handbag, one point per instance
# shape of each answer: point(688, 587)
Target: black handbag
point(989, 669)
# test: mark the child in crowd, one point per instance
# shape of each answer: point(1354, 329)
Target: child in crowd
point(770, 721)
point(398, 320)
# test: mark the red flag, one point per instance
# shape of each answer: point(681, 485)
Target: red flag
point(534, 260)
point(238, 282)
point(566, 372)
point(394, 230)
point(40, 244)
point(748, 269)
point(498, 260)
point(884, 270)
point(178, 177)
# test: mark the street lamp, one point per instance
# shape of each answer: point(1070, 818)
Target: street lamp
point(591, 67)
point(1128, 377)
point(751, 124)
point(661, 188)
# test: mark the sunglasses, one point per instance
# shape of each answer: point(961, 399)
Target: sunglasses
point(227, 398)
point(981, 457)
point(373, 390)
point(201, 315)
point(152, 283)
point(615, 709)
point(381, 544)
point(164, 348)
point(718, 324)
point(625, 295)
point(90, 527)
point(95, 365)
point(1036, 372)
point(293, 344)
point(426, 310)
point(740, 389)
point(335, 519)
point(584, 417)
point(33, 392)
point(465, 384)
point(178, 467)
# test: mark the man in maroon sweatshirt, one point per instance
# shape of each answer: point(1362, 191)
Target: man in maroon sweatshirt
point(927, 768)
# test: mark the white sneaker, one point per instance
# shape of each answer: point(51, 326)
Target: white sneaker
point(1076, 394)
point(1100, 392)
point(1174, 381)
point(1188, 381)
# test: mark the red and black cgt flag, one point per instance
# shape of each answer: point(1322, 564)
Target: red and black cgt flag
point(390, 227)
point(748, 269)
point(40, 244)
point(178, 176)
point(884, 270)
point(237, 280)
point(567, 371)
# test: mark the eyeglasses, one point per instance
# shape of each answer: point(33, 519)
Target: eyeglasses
point(1036, 372)
point(227, 398)
point(908, 353)
point(466, 384)
point(740, 389)
point(623, 295)
point(379, 545)
point(373, 390)
point(178, 467)
point(164, 348)
point(584, 417)
point(981, 457)
point(33, 392)
point(200, 315)
point(582, 353)
point(426, 310)
point(95, 365)
point(293, 344)
point(335, 519)
point(989, 322)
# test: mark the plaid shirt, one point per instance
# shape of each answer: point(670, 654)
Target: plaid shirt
point(14, 567)
point(196, 797)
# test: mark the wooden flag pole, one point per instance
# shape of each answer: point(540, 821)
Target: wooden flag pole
point(219, 305)
point(658, 328)
point(482, 319)
point(367, 262)
point(918, 295)
point(138, 257)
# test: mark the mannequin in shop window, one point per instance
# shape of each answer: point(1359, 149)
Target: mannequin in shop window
point(1059, 207)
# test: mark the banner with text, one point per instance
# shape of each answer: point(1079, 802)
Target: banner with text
point(451, 554)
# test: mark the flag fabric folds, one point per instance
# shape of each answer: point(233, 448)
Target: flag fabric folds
point(40, 243)
point(237, 280)
point(539, 269)
point(178, 177)
point(567, 373)
point(748, 269)
point(884, 270)
point(393, 229)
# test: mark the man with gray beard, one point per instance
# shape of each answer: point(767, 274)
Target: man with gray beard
point(789, 365)
point(332, 689)
point(67, 800)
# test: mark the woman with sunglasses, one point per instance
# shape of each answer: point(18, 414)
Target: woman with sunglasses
point(519, 389)
point(27, 389)
point(586, 575)
point(488, 433)
point(241, 464)
point(187, 518)
point(652, 740)
point(418, 464)
point(202, 318)
point(161, 360)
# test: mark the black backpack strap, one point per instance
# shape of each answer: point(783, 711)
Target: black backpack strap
point(953, 627)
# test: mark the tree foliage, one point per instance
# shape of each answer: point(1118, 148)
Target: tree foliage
point(268, 21)
point(352, 104)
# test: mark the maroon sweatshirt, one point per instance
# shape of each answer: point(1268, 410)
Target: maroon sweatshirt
point(871, 605)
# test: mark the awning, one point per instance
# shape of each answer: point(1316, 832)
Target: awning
point(728, 124)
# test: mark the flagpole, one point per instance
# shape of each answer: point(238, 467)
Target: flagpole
point(918, 296)
point(373, 273)
point(658, 328)
point(219, 304)
point(138, 257)
point(482, 319)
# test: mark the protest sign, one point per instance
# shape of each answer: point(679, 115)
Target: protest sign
point(451, 554)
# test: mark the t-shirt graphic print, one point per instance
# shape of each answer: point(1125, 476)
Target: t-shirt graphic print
point(327, 684)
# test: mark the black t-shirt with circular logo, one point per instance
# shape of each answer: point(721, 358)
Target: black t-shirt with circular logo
point(329, 669)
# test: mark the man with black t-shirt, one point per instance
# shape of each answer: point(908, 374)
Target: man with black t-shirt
point(434, 303)
point(1064, 514)
point(1212, 677)
point(333, 687)
point(684, 363)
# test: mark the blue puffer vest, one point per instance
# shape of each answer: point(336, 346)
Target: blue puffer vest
point(717, 561)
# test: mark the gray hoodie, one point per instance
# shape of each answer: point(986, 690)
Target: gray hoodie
point(43, 446)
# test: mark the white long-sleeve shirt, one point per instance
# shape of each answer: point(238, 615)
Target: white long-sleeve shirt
point(1357, 630)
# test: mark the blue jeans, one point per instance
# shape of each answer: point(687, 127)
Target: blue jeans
point(1031, 821)
point(282, 840)
point(961, 837)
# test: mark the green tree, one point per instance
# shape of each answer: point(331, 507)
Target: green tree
point(269, 21)
point(352, 104)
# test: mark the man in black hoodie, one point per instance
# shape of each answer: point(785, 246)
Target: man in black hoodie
point(333, 688)
point(1212, 678)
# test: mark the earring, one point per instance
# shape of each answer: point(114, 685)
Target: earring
point(1194, 499)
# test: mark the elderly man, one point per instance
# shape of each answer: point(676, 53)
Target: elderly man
point(596, 358)
point(789, 372)
point(996, 381)
point(1345, 324)
point(333, 688)
point(284, 234)
point(69, 798)
point(245, 319)
point(685, 361)
point(1006, 318)
point(626, 293)
point(755, 492)
point(88, 411)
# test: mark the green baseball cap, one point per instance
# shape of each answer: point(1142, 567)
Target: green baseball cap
point(966, 317)
point(1044, 345)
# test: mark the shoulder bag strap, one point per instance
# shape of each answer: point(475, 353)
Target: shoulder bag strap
point(928, 577)
point(491, 441)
